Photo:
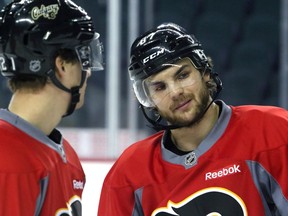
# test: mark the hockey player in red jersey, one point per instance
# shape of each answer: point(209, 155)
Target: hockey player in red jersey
point(208, 158)
point(47, 51)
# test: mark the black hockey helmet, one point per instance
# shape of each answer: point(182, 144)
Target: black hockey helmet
point(156, 49)
point(32, 31)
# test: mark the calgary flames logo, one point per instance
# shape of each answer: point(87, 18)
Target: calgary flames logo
point(48, 12)
point(74, 207)
point(212, 201)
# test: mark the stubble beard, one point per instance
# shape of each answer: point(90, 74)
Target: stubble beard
point(200, 110)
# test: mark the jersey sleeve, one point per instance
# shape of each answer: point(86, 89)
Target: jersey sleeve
point(275, 161)
point(20, 194)
point(36, 178)
point(116, 201)
point(117, 195)
point(20, 175)
point(124, 184)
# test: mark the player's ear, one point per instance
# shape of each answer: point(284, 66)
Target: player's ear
point(59, 67)
point(207, 76)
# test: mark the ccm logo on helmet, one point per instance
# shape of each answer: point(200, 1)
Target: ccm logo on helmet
point(223, 172)
point(153, 55)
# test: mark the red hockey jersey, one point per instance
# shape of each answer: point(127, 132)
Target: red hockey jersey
point(240, 168)
point(38, 176)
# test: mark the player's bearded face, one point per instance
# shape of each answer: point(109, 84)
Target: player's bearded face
point(180, 94)
point(190, 115)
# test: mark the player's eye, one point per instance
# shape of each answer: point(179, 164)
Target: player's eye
point(183, 75)
point(159, 87)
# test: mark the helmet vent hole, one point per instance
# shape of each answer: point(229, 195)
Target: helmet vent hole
point(25, 40)
point(150, 46)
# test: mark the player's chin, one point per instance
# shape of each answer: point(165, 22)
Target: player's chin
point(183, 119)
point(80, 104)
point(177, 120)
point(81, 99)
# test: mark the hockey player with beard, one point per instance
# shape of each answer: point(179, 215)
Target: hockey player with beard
point(208, 158)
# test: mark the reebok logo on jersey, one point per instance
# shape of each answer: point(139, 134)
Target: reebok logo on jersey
point(223, 172)
point(78, 185)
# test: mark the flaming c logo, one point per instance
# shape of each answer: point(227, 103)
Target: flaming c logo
point(214, 201)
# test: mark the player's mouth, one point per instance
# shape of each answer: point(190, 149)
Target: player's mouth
point(182, 106)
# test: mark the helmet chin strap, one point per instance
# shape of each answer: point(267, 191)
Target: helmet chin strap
point(156, 125)
point(74, 91)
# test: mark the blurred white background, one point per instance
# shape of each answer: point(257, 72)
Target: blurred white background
point(95, 174)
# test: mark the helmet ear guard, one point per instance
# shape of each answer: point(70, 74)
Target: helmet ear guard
point(218, 82)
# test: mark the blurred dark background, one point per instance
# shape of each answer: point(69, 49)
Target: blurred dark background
point(242, 37)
